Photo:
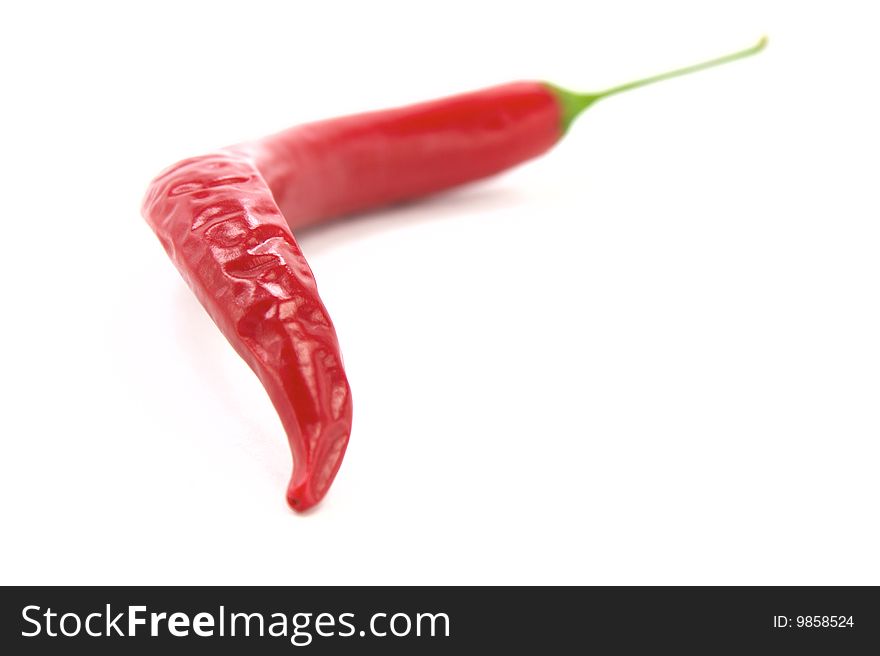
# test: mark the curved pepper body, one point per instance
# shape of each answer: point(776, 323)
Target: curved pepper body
point(225, 220)
point(217, 220)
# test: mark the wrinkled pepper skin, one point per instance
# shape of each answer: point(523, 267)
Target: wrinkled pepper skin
point(225, 220)
point(218, 222)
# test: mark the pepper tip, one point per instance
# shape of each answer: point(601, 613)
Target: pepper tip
point(300, 500)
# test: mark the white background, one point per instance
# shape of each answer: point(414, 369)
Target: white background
point(651, 356)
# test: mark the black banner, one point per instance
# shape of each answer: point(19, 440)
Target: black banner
point(407, 620)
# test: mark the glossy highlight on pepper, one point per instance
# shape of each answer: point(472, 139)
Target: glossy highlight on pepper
point(226, 220)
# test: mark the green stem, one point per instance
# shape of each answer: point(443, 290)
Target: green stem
point(574, 103)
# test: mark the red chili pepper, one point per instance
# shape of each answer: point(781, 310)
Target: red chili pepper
point(225, 219)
